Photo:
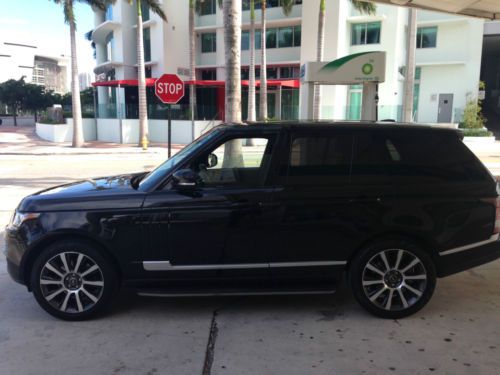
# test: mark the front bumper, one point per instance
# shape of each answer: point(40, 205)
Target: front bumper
point(464, 260)
point(14, 252)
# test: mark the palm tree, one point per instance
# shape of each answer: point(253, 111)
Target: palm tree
point(194, 7)
point(251, 74)
point(69, 17)
point(263, 64)
point(156, 7)
point(363, 7)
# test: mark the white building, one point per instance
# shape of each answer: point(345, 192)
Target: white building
point(85, 80)
point(448, 58)
point(21, 59)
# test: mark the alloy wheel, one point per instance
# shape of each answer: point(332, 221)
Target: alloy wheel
point(71, 282)
point(394, 279)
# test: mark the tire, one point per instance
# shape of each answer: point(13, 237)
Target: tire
point(394, 287)
point(72, 280)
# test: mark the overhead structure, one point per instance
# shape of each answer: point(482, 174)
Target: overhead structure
point(489, 9)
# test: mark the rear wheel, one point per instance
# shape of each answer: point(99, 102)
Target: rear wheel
point(71, 280)
point(392, 279)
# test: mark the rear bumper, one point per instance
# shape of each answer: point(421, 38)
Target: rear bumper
point(451, 263)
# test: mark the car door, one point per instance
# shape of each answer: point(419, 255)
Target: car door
point(219, 229)
point(314, 231)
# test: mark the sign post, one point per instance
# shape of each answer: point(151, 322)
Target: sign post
point(169, 88)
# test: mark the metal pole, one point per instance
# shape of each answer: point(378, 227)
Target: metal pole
point(169, 130)
point(410, 66)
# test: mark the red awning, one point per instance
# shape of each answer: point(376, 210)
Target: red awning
point(292, 83)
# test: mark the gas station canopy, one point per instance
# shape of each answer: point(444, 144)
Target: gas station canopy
point(475, 8)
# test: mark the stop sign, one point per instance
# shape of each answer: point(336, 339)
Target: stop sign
point(169, 88)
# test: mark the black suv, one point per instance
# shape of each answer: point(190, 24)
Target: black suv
point(260, 209)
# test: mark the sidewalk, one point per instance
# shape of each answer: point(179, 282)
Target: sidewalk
point(22, 140)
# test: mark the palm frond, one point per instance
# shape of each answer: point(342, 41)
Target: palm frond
point(287, 6)
point(99, 4)
point(364, 7)
point(69, 14)
point(155, 6)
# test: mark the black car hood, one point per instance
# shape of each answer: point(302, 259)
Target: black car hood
point(112, 192)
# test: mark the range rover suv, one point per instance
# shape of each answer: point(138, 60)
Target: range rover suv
point(260, 209)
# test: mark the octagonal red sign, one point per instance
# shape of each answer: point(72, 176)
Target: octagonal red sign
point(169, 88)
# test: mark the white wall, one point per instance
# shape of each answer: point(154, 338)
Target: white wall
point(64, 132)
point(108, 130)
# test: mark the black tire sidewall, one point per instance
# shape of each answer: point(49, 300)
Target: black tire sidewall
point(88, 249)
point(359, 262)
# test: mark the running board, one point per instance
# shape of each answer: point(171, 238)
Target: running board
point(216, 293)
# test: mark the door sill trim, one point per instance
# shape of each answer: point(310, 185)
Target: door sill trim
point(215, 294)
point(165, 265)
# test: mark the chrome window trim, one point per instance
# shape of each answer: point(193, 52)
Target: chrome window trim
point(165, 265)
point(455, 250)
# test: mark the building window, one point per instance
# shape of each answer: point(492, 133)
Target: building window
point(208, 75)
point(287, 72)
point(148, 72)
point(208, 7)
point(245, 40)
point(208, 42)
point(426, 37)
point(269, 4)
point(365, 33)
point(271, 38)
point(145, 12)
point(109, 13)
point(147, 44)
point(285, 37)
point(272, 73)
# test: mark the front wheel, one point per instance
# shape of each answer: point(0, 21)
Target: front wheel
point(71, 280)
point(392, 279)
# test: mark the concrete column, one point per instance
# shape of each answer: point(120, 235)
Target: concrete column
point(369, 106)
point(306, 101)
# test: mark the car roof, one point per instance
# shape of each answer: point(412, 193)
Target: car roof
point(347, 125)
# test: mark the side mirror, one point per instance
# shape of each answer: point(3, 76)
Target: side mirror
point(186, 179)
point(212, 160)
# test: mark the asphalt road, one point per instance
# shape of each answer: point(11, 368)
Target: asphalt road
point(457, 333)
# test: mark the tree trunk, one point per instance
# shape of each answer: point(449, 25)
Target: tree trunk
point(143, 106)
point(410, 66)
point(251, 87)
point(75, 91)
point(14, 115)
point(192, 63)
point(232, 43)
point(263, 66)
point(319, 57)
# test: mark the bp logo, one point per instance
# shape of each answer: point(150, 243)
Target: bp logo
point(367, 69)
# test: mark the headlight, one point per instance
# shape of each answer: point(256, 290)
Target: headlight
point(20, 217)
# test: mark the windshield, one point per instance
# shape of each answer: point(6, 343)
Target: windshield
point(153, 177)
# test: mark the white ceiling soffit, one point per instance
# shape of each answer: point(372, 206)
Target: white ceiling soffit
point(475, 8)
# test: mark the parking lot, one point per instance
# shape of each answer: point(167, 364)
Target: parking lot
point(457, 333)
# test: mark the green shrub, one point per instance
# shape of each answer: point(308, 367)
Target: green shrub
point(476, 133)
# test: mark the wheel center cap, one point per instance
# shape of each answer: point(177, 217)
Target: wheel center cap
point(393, 278)
point(72, 281)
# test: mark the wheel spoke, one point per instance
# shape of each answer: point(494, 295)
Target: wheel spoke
point(409, 266)
point(378, 294)
point(50, 267)
point(416, 277)
point(64, 305)
point(372, 282)
point(78, 262)
point(398, 259)
point(413, 290)
point(374, 269)
point(403, 299)
point(92, 297)
point(64, 262)
point(90, 270)
point(50, 282)
point(384, 259)
point(93, 283)
point(388, 305)
point(78, 302)
point(56, 293)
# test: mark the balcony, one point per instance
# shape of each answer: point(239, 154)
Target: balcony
point(102, 31)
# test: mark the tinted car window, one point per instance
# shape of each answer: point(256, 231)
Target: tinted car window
point(235, 162)
point(416, 157)
point(319, 159)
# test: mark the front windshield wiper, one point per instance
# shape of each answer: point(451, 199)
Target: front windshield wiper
point(134, 181)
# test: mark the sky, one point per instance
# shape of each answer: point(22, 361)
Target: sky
point(42, 22)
